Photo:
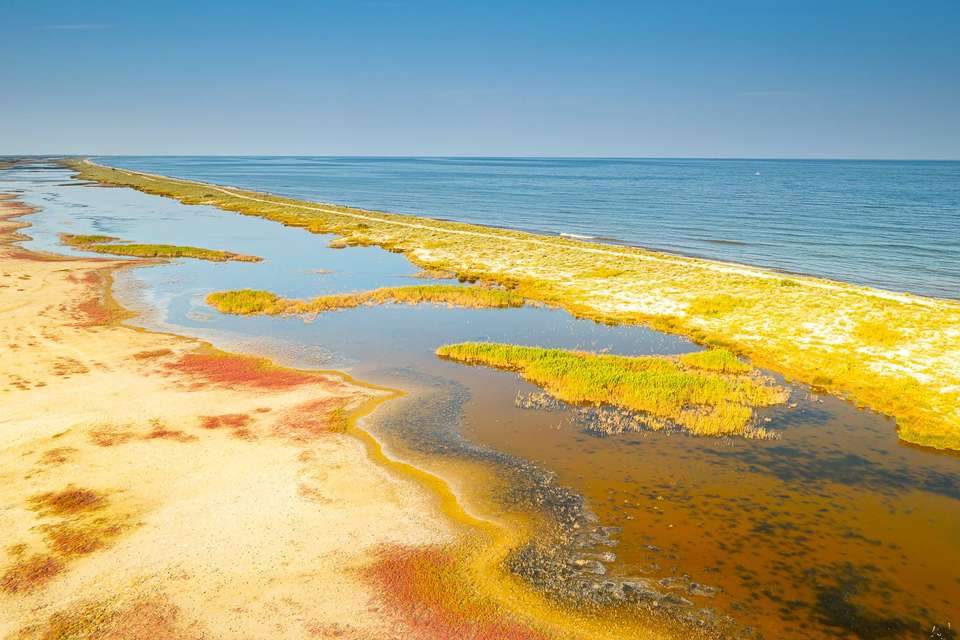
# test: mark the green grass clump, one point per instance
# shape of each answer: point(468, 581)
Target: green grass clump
point(602, 272)
point(704, 400)
point(256, 302)
point(117, 247)
point(713, 305)
point(245, 302)
point(879, 333)
point(82, 240)
point(715, 360)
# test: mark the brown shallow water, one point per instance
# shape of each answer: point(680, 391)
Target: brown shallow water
point(836, 530)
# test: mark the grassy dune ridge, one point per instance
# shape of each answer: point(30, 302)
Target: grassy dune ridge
point(259, 302)
point(710, 393)
point(895, 353)
point(118, 247)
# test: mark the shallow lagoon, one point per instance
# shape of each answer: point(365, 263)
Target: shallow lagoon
point(836, 530)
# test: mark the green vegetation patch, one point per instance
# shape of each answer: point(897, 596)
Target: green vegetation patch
point(705, 394)
point(713, 305)
point(257, 302)
point(719, 360)
point(118, 247)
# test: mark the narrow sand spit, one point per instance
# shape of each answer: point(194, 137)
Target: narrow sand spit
point(151, 487)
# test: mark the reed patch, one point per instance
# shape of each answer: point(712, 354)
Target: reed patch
point(118, 247)
point(258, 302)
point(708, 395)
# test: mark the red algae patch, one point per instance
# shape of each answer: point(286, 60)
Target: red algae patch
point(240, 371)
point(28, 574)
point(417, 586)
point(69, 501)
point(146, 618)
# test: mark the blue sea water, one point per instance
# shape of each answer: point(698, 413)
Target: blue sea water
point(888, 224)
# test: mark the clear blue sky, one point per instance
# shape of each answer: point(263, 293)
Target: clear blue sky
point(401, 77)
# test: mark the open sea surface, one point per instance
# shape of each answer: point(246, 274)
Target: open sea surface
point(888, 224)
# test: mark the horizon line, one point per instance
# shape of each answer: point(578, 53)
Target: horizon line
point(476, 157)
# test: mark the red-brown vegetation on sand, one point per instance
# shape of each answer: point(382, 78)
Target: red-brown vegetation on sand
point(238, 423)
point(92, 310)
point(417, 586)
point(91, 278)
point(68, 501)
point(240, 371)
point(81, 538)
point(150, 355)
point(312, 419)
point(57, 456)
point(149, 617)
point(92, 313)
point(30, 573)
point(107, 436)
point(159, 431)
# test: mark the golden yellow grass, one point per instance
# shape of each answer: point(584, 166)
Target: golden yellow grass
point(258, 302)
point(808, 329)
point(118, 247)
point(705, 395)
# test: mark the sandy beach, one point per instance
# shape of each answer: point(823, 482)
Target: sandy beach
point(155, 488)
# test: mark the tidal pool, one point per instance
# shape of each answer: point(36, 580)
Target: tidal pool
point(834, 530)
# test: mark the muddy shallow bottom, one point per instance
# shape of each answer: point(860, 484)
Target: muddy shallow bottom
point(835, 530)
